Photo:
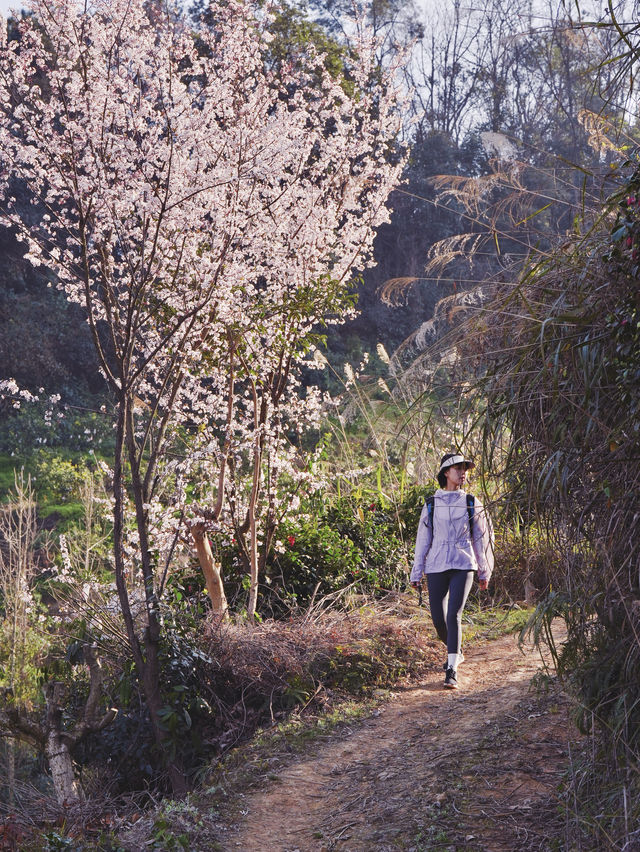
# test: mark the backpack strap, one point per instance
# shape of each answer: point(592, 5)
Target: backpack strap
point(429, 504)
point(471, 505)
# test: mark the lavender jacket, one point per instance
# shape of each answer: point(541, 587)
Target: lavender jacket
point(449, 545)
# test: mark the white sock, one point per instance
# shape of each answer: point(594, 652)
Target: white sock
point(453, 660)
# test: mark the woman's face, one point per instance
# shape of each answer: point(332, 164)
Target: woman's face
point(455, 476)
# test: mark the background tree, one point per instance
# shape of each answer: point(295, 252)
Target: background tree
point(528, 74)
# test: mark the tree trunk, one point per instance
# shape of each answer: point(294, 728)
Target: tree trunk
point(67, 788)
point(153, 697)
point(11, 771)
point(253, 575)
point(147, 664)
point(57, 745)
point(211, 571)
point(152, 667)
point(259, 419)
point(253, 536)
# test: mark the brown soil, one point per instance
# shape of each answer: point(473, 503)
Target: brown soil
point(477, 768)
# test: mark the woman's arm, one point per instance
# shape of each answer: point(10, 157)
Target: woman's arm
point(483, 543)
point(423, 543)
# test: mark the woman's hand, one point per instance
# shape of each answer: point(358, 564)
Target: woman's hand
point(483, 585)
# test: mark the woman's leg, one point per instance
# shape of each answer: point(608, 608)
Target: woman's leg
point(459, 587)
point(438, 586)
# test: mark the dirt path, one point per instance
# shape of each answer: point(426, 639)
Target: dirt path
point(470, 769)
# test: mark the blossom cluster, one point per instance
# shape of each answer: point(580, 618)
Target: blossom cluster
point(14, 394)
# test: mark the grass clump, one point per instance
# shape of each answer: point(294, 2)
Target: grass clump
point(482, 623)
point(278, 667)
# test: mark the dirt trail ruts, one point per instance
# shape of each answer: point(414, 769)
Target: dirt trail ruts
point(476, 768)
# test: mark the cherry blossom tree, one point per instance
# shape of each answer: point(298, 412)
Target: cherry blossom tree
point(207, 215)
point(322, 226)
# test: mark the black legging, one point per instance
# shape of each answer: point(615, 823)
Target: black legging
point(448, 592)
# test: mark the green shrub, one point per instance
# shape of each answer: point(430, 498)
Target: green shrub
point(328, 546)
point(311, 554)
point(56, 477)
point(349, 540)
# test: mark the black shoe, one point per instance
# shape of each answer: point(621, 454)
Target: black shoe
point(451, 679)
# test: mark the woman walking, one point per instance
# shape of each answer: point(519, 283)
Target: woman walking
point(455, 539)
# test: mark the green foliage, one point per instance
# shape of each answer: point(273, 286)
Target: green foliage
point(184, 595)
point(23, 642)
point(57, 842)
point(623, 327)
point(361, 541)
point(55, 475)
point(345, 541)
point(293, 31)
point(313, 553)
point(163, 837)
point(186, 710)
point(126, 749)
point(9, 464)
point(26, 688)
point(67, 485)
point(374, 529)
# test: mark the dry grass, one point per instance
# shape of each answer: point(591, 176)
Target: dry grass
point(265, 671)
